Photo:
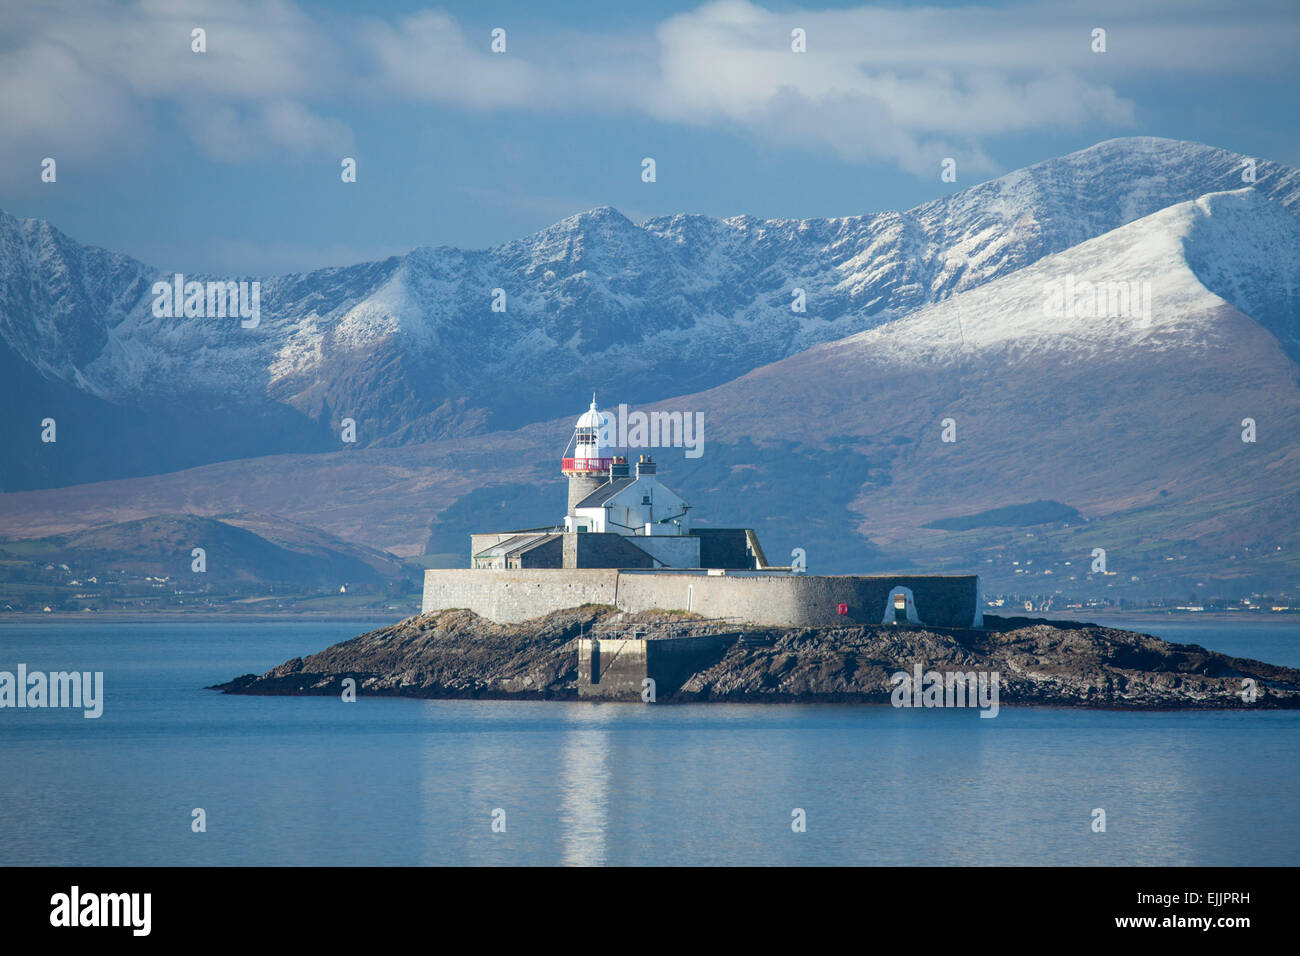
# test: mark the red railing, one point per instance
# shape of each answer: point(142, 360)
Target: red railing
point(586, 464)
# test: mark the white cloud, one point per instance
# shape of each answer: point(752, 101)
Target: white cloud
point(429, 57)
point(233, 133)
point(51, 106)
point(254, 49)
point(904, 84)
point(82, 76)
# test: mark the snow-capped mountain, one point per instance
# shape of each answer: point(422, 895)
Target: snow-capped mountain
point(1073, 430)
point(412, 349)
point(1232, 246)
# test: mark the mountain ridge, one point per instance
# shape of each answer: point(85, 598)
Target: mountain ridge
point(1133, 427)
point(410, 348)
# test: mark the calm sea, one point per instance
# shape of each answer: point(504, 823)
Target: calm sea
point(318, 781)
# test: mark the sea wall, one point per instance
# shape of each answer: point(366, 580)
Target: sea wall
point(801, 599)
point(517, 595)
point(617, 668)
point(753, 597)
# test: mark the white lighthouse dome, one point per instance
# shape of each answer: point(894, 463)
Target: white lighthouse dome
point(593, 417)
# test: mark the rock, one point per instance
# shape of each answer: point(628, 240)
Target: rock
point(457, 654)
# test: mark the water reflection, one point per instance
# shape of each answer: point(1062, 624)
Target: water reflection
point(585, 788)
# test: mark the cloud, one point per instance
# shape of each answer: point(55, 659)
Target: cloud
point(907, 85)
point(427, 56)
point(51, 106)
point(870, 85)
point(254, 50)
point(78, 77)
point(276, 127)
point(904, 85)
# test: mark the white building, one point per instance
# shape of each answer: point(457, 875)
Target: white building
point(637, 504)
point(616, 518)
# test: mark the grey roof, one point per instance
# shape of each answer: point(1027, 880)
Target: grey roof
point(512, 544)
point(606, 491)
point(532, 543)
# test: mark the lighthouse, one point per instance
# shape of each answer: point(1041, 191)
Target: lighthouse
point(630, 541)
point(589, 468)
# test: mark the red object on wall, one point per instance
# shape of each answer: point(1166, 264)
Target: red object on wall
point(843, 609)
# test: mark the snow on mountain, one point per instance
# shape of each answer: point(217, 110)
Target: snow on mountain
point(1140, 288)
point(1137, 423)
point(411, 348)
point(1134, 425)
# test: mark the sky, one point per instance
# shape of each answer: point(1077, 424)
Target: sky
point(229, 161)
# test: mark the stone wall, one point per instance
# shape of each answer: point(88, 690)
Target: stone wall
point(602, 550)
point(754, 597)
point(616, 669)
point(547, 554)
point(509, 596)
point(612, 669)
point(671, 550)
point(945, 601)
point(723, 548)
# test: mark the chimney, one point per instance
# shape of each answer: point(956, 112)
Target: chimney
point(645, 466)
point(618, 469)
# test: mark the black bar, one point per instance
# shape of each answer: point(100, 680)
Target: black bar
point(923, 906)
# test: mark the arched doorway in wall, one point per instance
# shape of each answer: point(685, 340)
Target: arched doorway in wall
point(900, 607)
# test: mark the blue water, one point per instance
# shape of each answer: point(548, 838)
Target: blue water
point(382, 781)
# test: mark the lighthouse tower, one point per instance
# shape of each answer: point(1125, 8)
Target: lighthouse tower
point(589, 467)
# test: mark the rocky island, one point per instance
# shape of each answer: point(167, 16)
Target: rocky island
point(566, 654)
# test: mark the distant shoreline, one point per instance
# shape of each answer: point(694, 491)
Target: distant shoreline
point(153, 617)
point(1155, 613)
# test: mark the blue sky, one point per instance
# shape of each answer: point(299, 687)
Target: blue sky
point(228, 161)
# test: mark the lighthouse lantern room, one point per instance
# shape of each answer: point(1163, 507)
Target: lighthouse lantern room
point(591, 463)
